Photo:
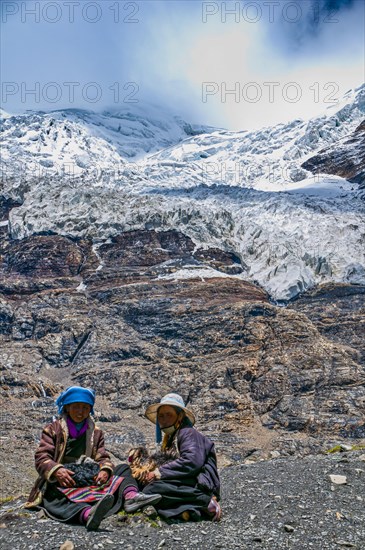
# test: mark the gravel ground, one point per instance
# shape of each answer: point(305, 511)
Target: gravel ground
point(277, 504)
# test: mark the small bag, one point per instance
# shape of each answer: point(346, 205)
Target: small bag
point(85, 470)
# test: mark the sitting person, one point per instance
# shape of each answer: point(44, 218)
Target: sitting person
point(64, 441)
point(189, 485)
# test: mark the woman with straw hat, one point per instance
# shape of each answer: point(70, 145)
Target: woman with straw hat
point(189, 486)
point(74, 435)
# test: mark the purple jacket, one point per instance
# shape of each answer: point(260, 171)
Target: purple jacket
point(197, 461)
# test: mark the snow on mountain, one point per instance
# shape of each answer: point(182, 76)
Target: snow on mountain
point(75, 143)
point(257, 159)
point(166, 150)
point(38, 144)
point(4, 114)
point(243, 192)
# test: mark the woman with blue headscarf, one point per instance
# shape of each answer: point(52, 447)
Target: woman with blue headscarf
point(74, 435)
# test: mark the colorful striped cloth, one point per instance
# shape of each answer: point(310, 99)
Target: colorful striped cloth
point(92, 493)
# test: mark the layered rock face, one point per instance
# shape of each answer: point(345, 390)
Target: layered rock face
point(110, 315)
point(345, 158)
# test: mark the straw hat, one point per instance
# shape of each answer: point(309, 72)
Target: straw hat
point(173, 399)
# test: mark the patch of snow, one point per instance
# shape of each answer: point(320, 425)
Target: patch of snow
point(82, 287)
point(198, 273)
point(95, 248)
point(322, 186)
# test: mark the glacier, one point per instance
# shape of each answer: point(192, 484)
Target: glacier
point(84, 174)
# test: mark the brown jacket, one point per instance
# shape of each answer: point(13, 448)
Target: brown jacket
point(51, 450)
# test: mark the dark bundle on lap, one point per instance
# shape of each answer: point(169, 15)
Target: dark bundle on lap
point(141, 462)
point(85, 470)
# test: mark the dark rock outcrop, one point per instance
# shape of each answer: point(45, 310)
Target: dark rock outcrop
point(338, 312)
point(345, 158)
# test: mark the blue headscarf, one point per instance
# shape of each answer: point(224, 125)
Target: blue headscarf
point(76, 394)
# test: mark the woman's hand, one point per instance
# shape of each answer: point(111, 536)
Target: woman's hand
point(64, 478)
point(102, 477)
point(149, 477)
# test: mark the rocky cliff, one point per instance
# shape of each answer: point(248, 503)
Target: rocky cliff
point(259, 377)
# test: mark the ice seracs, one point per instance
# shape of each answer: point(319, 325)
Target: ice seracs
point(243, 192)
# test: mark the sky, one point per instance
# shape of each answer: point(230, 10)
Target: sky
point(239, 65)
